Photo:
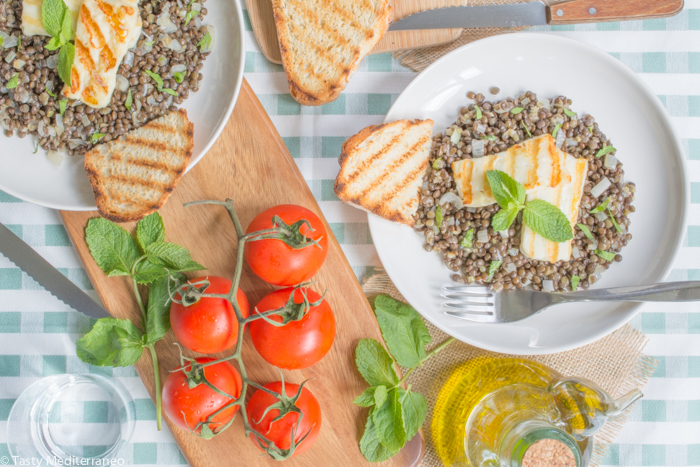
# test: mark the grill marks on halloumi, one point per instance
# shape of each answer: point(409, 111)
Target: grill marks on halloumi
point(106, 30)
point(567, 197)
point(534, 163)
point(31, 16)
point(382, 168)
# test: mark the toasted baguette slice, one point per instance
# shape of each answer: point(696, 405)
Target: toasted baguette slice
point(135, 174)
point(382, 168)
point(324, 41)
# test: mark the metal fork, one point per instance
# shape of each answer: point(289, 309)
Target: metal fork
point(481, 305)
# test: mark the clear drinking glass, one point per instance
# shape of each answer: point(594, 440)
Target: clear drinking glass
point(71, 420)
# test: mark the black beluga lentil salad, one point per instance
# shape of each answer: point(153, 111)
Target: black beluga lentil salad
point(173, 45)
point(464, 237)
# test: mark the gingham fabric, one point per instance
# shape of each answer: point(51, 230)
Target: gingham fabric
point(38, 333)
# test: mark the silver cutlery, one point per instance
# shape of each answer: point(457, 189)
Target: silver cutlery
point(481, 305)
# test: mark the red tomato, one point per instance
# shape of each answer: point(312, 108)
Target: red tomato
point(278, 263)
point(210, 325)
point(297, 344)
point(187, 407)
point(280, 432)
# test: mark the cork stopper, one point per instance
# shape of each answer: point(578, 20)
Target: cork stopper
point(548, 453)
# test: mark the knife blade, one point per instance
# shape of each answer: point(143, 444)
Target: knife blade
point(476, 16)
point(537, 13)
point(31, 262)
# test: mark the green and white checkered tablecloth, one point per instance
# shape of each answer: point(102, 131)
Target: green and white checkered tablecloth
point(38, 332)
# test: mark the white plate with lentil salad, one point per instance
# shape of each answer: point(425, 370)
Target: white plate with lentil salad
point(606, 105)
point(210, 77)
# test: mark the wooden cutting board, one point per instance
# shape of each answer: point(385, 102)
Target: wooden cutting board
point(260, 13)
point(251, 165)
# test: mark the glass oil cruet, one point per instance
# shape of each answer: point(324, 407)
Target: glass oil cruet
point(492, 410)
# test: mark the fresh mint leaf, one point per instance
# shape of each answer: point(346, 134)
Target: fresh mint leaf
point(150, 230)
point(415, 408)
point(574, 282)
point(522, 124)
point(489, 138)
point(504, 189)
point(158, 308)
point(389, 421)
point(62, 106)
point(604, 151)
point(370, 446)
point(606, 255)
point(2, 41)
point(65, 62)
point(478, 112)
point(13, 82)
point(96, 137)
point(172, 92)
point(111, 342)
point(172, 256)
point(147, 272)
point(504, 219)
point(112, 248)
point(569, 113)
point(205, 42)
point(52, 12)
point(179, 76)
point(556, 130)
point(586, 231)
point(381, 393)
point(601, 207)
point(493, 267)
point(547, 220)
point(149, 43)
point(19, 42)
point(48, 91)
point(66, 27)
point(614, 222)
point(403, 329)
point(376, 395)
point(438, 217)
point(516, 110)
point(375, 364)
point(128, 101)
point(53, 44)
point(468, 239)
point(190, 16)
point(155, 77)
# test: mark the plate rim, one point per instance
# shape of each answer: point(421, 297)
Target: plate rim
point(237, 83)
point(635, 308)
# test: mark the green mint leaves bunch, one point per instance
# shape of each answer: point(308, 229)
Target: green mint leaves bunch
point(56, 19)
point(149, 260)
point(542, 217)
point(396, 414)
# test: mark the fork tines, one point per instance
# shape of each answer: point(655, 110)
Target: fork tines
point(475, 299)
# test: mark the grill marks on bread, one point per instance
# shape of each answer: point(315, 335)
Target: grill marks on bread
point(382, 168)
point(134, 175)
point(323, 42)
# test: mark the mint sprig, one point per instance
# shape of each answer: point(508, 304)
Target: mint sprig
point(605, 150)
point(396, 414)
point(468, 239)
point(542, 217)
point(601, 207)
point(586, 231)
point(56, 19)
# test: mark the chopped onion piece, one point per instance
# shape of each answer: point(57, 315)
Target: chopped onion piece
point(164, 21)
point(525, 102)
point(510, 268)
point(122, 83)
point(481, 128)
point(610, 161)
point(504, 233)
point(456, 135)
point(175, 46)
point(196, 6)
point(548, 286)
point(60, 127)
point(571, 142)
point(601, 216)
point(558, 119)
point(55, 157)
point(8, 41)
point(85, 120)
point(129, 58)
point(477, 148)
point(599, 270)
point(513, 252)
point(18, 64)
point(482, 236)
point(180, 68)
point(561, 136)
point(52, 62)
point(212, 34)
point(575, 252)
point(544, 104)
point(11, 56)
point(452, 198)
point(41, 129)
point(600, 188)
point(592, 246)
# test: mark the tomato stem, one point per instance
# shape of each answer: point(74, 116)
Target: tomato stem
point(156, 372)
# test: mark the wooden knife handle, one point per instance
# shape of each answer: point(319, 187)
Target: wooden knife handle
point(597, 11)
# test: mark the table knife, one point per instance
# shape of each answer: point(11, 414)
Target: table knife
point(48, 276)
point(536, 13)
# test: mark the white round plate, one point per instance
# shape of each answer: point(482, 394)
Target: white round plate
point(630, 115)
point(33, 178)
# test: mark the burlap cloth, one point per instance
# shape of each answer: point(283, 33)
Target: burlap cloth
point(419, 59)
point(615, 362)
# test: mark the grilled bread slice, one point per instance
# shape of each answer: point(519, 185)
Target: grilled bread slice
point(382, 168)
point(135, 174)
point(324, 41)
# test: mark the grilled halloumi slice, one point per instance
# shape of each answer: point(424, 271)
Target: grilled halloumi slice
point(535, 163)
point(567, 198)
point(31, 16)
point(106, 30)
